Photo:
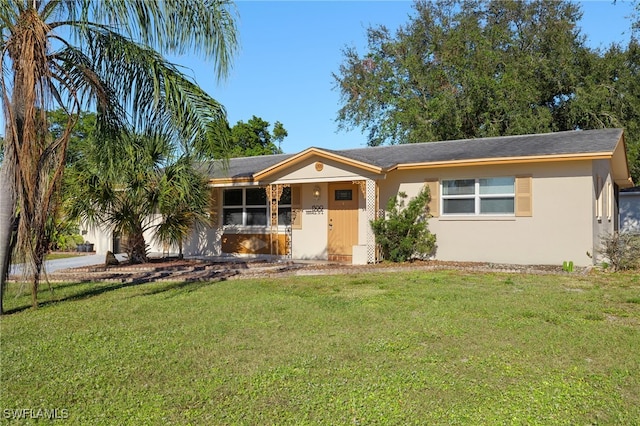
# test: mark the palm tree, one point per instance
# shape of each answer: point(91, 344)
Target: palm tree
point(104, 55)
point(183, 203)
point(147, 190)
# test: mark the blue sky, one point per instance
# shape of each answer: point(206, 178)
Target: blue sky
point(289, 50)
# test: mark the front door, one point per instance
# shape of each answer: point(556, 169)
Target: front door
point(343, 221)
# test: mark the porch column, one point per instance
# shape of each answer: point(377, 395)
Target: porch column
point(273, 197)
point(274, 192)
point(370, 198)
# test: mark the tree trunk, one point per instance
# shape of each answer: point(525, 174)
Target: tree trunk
point(137, 247)
point(40, 252)
point(7, 212)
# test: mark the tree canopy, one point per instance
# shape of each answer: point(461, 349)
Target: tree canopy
point(253, 138)
point(473, 68)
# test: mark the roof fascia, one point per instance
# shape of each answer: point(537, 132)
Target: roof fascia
point(503, 160)
point(230, 181)
point(620, 165)
point(310, 152)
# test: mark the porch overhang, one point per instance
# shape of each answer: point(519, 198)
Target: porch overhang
point(310, 153)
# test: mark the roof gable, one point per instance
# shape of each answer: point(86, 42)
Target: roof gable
point(320, 154)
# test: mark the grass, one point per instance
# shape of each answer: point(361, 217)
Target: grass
point(404, 348)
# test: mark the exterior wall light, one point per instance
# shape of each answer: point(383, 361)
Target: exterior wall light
point(316, 192)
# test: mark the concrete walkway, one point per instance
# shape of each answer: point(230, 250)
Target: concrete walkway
point(66, 263)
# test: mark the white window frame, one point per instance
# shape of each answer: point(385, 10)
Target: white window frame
point(477, 197)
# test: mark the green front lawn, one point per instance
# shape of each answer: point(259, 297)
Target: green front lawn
point(402, 348)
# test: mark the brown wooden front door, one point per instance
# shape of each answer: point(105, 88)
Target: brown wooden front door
point(343, 221)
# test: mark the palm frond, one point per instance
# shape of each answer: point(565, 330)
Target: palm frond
point(158, 96)
point(176, 26)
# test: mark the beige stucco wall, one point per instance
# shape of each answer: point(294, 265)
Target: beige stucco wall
point(204, 242)
point(603, 204)
point(153, 247)
point(332, 171)
point(101, 238)
point(310, 242)
point(559, 230)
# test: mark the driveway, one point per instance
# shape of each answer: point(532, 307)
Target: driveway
point(66, 263)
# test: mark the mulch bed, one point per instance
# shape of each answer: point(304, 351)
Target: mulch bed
point(164, 270)
point(171, 269)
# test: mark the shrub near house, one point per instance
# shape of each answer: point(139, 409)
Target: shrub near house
point(404, 233)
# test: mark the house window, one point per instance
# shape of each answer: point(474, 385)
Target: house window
point(245, 207)
point(249, 207)
point(486, 196)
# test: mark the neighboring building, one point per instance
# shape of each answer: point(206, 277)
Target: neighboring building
point(531, 199)
point(630, 210)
